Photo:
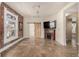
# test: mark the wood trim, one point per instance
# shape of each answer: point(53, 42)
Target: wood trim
point(1, 26)
point(10, 42)
point(3, 52)
point(20, 26)
point(33, 22)
point(9, 8)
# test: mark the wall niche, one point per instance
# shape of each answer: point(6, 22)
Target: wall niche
point(11, 25)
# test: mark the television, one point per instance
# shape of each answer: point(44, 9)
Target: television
point(46, 25)
point(52, 24)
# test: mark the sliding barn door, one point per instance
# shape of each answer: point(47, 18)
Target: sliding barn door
point(37, 30)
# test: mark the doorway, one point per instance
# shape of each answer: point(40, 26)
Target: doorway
point(71, 31)
point(35, 30)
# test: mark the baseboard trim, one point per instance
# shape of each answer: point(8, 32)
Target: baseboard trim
point(10, 45)
point(59, 44)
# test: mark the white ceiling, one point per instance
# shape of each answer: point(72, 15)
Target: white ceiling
point(46, 8)
point(72, 9)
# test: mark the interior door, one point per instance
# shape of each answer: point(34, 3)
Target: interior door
point(37, 30)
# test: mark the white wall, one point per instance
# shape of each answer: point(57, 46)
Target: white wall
point(26, 28)
point(60, 29)
point(42, 30)
point(31, 30)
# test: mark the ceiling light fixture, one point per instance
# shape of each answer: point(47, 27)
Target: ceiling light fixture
point(37, 10)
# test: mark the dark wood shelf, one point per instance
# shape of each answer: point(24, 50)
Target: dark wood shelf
point(49, 34)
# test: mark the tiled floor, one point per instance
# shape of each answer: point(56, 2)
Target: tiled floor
point(39, 48)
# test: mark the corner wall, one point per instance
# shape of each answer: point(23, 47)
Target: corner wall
point(60, 29)
point(61, 25)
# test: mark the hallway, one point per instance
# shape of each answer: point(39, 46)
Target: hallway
point(39, 48)
point(45, 25)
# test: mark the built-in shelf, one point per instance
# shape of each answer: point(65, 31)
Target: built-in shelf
point(49, 34)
